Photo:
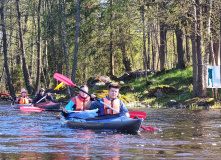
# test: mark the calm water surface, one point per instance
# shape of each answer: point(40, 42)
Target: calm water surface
point(185, 134)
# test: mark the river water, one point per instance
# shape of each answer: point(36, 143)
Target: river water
point(184, 134)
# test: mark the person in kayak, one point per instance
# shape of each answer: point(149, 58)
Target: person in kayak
point(40, 95)
point(23, 98)
point(112, 101)
point(80, 102)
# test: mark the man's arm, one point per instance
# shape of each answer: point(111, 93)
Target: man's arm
point(123, 109)
point(49, 97)
point(35, 100)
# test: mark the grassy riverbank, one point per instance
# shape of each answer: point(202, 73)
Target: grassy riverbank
point(176, 82)
point(180, 79)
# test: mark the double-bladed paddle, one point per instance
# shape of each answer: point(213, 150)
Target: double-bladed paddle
point(67, 81)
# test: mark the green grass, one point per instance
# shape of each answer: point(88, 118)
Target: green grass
point(181, 79)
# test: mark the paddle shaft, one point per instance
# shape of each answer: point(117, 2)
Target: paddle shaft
point(97, 99)
point(58, 110)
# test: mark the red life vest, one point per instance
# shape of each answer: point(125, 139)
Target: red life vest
point(80, 102)
point(114, 104)
point(23, 101)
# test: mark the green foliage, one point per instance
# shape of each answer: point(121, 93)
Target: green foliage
point(17, 79)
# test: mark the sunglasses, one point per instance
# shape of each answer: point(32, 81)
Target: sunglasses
point(41, 91)
point(23, 92)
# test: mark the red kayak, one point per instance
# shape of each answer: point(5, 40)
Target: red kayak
point(44, 105)
point(4, 94)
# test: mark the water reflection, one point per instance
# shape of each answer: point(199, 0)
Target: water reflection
point(185, 134)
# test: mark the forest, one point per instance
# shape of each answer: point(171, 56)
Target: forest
point(82, 39)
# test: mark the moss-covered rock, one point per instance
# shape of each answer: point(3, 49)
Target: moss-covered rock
point(199, 102)
point(165, 89)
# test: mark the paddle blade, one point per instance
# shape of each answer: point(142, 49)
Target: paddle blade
point(138, 114)
point(64, 79)
point(59, 86)
point(149, 128)
point(31, 109)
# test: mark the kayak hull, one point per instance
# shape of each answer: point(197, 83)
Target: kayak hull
point(44, 105)
point(117, 123)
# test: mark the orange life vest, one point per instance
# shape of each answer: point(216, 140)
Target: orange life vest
point(114, 104)
point(23, 101)
point(81, 103)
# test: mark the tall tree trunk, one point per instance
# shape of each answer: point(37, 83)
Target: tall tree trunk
point(187, 47)
point(38, 50)
point(209, 54)
point(111, 42)
point(24, 64)
point(51, 34)
point(201, 87)
point(163, 47)
point(144, 42)
point(180, 48)
point(153, 49)
point(61, 43)
point(5, 51)
point(74, 68)
point(194, 51)
point(148, 49)
point(126, 59)
point(66, 47)
point(46, 65)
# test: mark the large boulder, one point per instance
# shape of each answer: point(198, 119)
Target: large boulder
point(130, 75)
point(96, 81)
point(161, 90)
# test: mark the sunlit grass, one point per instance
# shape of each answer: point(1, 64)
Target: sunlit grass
point(181, 79)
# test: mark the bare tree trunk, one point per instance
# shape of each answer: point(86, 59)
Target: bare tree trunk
point(52, 43)
point(148, 50)
point(153, 50)
point(144, 42)
point(194, 51)
point(111, 42)
point(180, 48)
point(5, 51)
point(24, 64)
point(74, 68)
point(201, 87)
point(163, 47)
point(174, 62)
point(61, 43)
point(66, 47)
point(39, 65)
point(46, 65)
point(209, 54)
point(188, 47)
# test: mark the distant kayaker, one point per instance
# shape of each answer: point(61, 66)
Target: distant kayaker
point(42, 94)
point(23, 98)
point(80, 102)
point(112, 101)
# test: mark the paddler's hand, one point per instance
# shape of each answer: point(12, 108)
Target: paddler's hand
point(92, 97)
point(127, 114)
point(64, 110)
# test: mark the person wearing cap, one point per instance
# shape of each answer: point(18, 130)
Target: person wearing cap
point(81, 102)
point(42, 94)
point(23, 98)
